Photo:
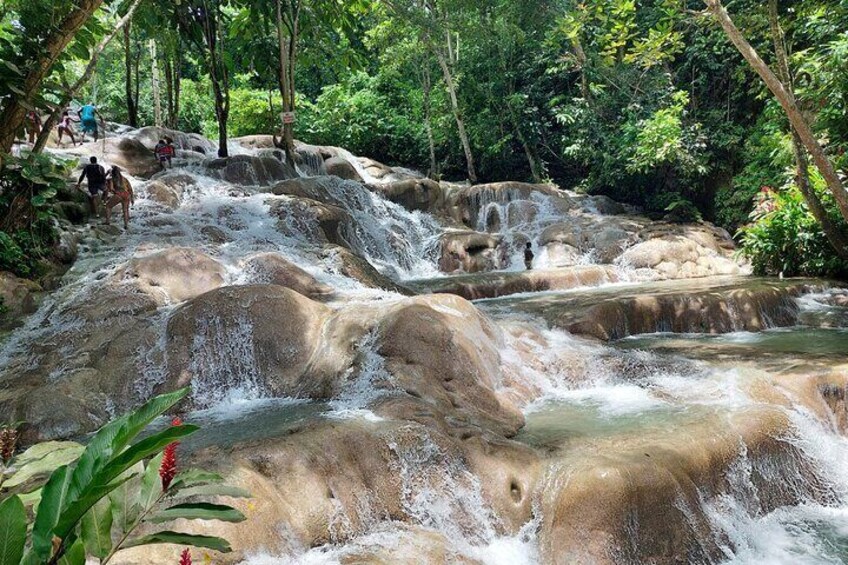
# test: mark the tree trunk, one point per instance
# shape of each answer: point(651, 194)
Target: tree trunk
point(529, 152)
point(130, 92)
point(53, 119)
point(157, 101)
point(803, 129)
point(802, 178)
point(14, 110)
point(178, 65)
point(285, 83)
point(169, 87)
point(583, 61)
point(457, 114)
point(428, 119)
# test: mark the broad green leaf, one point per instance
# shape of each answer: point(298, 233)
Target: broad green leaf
point(40, 460)
point(213, 490)
point(75, 555)
point(112, 438)
point(207, 542)
point(193, 477)
point(198, 511)
point(151, 484)
point(13, 529)
point(74, 512)
point(53, 500)
point(96, 529)
point(144, 449)
point(125, 500)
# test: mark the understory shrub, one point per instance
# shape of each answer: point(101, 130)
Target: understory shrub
point(785, 239)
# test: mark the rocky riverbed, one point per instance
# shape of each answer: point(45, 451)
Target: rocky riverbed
point(369, 358)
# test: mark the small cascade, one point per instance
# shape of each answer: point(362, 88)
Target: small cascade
point(520, 218)
point(310, 161)
point(401, 244)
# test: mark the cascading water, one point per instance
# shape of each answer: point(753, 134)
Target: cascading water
point(400, 243)
point(578, 397)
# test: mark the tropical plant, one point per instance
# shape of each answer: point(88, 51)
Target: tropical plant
point(784, 238)
point(96, 497)
point(28, 186)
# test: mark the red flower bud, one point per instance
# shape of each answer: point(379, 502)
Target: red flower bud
point(168, 468)
point(185, 557)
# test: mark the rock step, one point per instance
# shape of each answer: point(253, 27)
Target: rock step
point(495, 285)
point(710, 305)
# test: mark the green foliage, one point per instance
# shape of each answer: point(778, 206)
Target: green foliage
point(788, 240)
point(768, 161)
point(104, 492)
point(662, 140)
point(250, 112)
point(360, 114)
point(28, 187)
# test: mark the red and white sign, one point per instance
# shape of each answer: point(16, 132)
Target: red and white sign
point(288, 117)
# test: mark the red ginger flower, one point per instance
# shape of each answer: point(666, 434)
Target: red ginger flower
point(185, 557)
point(168, 468)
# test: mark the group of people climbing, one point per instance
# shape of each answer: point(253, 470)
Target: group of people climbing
point(87, 117)
point(112, 188)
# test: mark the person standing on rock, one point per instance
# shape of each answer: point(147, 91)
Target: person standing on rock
point(88, 115)
point(160, 152)
point(170, 151)
point(528, 256)
point(96, 176)
point(121, 193)
point(33, 126)
point(66, 126)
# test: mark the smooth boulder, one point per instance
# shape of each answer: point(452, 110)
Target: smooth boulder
point(174, 275)
point(234, 336)
point(272, 268)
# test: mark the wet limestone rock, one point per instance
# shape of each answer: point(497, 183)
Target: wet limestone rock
point(358, 268)
point(440, 348)
point(645, 503)
point(303, 187)
point(679, 257)
point(464, 204)
point(167, 188)
point(263, 335)
point(249, 170)
point(332, 482)
point(713, 305)
point(342, 168)
point(162, 194)
point(304, 217)
point(87, 368)
point(174, 275)
point(18, 298)
point(413, 194)
point(272, 268)
point(494, 285)
point(149, 136)
point(470, 252)
point(131, 155)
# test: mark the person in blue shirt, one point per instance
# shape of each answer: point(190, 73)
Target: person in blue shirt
point(88, 115)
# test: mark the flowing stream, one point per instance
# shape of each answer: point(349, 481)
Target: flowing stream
point(581, 398)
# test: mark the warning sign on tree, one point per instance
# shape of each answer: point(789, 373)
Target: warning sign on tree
point(288, 117)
